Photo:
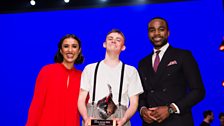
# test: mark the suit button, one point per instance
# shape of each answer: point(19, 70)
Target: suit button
point(152, 91)
point(164, 89)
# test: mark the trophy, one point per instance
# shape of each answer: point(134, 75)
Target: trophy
point(102, 122)
point(105, 108)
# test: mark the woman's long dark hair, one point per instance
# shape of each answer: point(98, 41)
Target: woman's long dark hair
point(58, 58)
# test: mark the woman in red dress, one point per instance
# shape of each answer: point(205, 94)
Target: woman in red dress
point(57, 88)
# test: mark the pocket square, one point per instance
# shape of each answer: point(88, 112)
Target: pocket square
point(172, 63)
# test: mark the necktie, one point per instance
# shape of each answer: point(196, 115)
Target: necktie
point(157, 60)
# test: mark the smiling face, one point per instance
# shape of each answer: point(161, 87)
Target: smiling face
point(70, 50)
point(158, 32)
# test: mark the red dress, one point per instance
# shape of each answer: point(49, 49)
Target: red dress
point(55, 104)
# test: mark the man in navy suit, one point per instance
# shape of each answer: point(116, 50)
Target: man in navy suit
point(171, 80)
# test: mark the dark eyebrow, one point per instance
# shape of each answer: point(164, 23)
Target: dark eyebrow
point(151, 28)
point(162, 27)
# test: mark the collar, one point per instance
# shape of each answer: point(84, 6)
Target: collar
point(163, 48)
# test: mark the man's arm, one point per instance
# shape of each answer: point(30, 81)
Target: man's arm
point(142, 107)
point(82, 105)
point(194, 81)
point(130, 111)
point(160, 113)
point(142, 97)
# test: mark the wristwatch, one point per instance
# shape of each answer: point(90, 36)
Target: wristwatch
point(170, 110)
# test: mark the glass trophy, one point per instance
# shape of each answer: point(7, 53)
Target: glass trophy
point(105, 108)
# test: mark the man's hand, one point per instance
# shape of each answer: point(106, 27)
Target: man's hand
point(159, 113)
point(87, 121)
point(146, 115)
point(120, 121)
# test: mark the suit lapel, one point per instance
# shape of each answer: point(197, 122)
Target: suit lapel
point(149, 72)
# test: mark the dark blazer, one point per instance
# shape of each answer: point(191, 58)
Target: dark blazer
point(177, 80)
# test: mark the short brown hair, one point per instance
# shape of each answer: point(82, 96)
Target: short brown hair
point(117, 31)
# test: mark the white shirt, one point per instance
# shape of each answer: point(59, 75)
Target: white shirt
point(111, 75)
point(161, 53)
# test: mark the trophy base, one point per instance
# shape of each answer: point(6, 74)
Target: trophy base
point(101, 122)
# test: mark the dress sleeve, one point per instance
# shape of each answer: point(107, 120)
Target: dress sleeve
point(38, 101)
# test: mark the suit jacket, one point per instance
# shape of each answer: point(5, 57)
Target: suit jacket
point(177, 80)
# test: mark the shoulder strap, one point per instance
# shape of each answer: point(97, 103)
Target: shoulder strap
point(121, 84)
point(94, 86)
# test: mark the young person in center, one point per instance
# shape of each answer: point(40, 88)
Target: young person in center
point(109, 73)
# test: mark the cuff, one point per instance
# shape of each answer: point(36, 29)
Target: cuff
point(141, 109)
point(176, 107)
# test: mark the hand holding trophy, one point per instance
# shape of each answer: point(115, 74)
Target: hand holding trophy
point(105, 108)
point(109, 70)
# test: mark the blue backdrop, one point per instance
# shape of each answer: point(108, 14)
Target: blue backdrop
point(29, 41)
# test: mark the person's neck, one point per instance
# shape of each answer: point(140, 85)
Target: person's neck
point(111, 60)
point(158, 48)
point(206, 120)
point(69, 66)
